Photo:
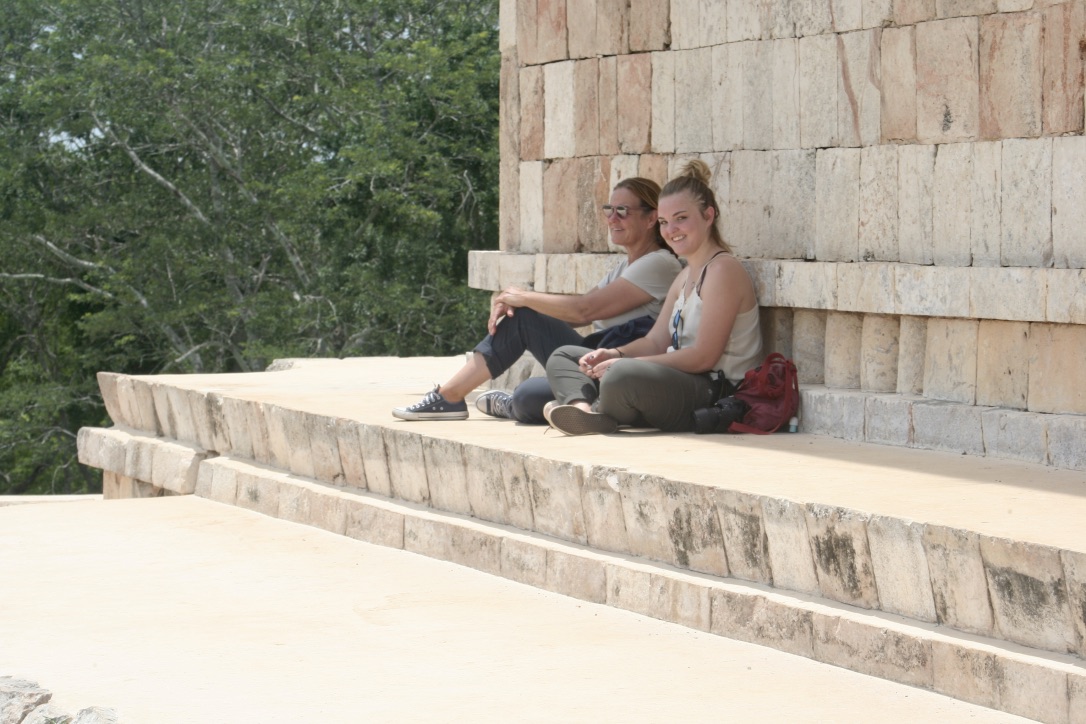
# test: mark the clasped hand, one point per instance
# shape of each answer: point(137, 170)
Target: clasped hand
point(597, 362)
point(503, 305)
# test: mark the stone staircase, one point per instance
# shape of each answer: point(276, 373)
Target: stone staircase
point(962, 575)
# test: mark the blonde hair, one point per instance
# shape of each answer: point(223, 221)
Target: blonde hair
point(694, 180)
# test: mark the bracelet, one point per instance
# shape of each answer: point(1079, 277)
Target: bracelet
point(620, 352)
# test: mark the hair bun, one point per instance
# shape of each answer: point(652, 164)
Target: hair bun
point(696, 168)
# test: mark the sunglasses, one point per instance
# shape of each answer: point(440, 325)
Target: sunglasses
point(610, 210)
point(677, 327)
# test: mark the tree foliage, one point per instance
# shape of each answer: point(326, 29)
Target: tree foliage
point(203, 186)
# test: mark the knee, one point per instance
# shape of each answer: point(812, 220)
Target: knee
point(565, 355)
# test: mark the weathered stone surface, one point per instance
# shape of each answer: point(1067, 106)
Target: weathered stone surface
point(1002, 380)
point(947, 80)
point(818, 89)
point(785, 84)
point(485, 487)
point(641, 590)
point(445, 463)
point(1010, 294)
point(908, 12)
point(607, 102)
point(586, 108)
point(350, 453)
point(116, 486)
point(509, 153)
point(791, 226)
point(745, 21)
point(811, 17)
point(45, 714)
point(685, 21)
point(1067, 441)
point(1028, 591)
point(1076, 696)
point(1057, 379)
point(1016, 435)
point(866, 288)
point(474, 546)
point(887, 653)
point(634, 117)
point(560, 207)
point(986, 229)
point(176, 402)
point(842, 557)
point(744, 536)
point(138, 400)
point(313, 504)
point(809, 345)
point(838, 203)
point(833, 412)
point(901, 567)
point(1074, 572)
point(888, 419)
point(912, 340)
point(107, 385)
point(951, 209)
point(791, 561)
point(879, 353)
point(712, 22)
point(776, 324)
point(859, 93)
point(581, 21)
point(727, 105)
point(279, 441)
point(844, 335)
point(1066, 296)
point(847, 15)
point(663, 102)
point(96, 715)
point(878, 213)
point(531, 91)
point(523, 561)
point(429, 536)
point(762, 620)
point(406, 466)
point(602, 505)
point(258, 490)
point(931, 291)
point(375, 459)
point(693, 121)
point(612, 27)
point(916, 180)
point(644, 512)
point(748, 212)
point(551, 31)
point(593, 190)
point(559, 102)
point(578, 576)
point(556, 498)
point(1011, 53)
point(103, 448)
point(175, 466)
point(649, 20)
point(531, 210)
point(324, 446)
point(898, 72)
point(1062, 92)
point(374, 522)
point(948, 426)
point(812, 286)
point(758, 91)
point(1068, 191)
point(19, 697)
point(1027, 202)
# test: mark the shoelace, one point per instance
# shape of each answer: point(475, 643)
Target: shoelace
point(431, 397)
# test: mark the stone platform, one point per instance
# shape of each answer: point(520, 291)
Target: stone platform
point(958, 574)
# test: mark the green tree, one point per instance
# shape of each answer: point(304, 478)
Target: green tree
point(205, 186)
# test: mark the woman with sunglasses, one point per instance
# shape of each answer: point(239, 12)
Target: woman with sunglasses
point(708, 334)
point(626, 301)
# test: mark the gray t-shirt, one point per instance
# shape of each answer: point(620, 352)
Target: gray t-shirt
point(652, 273)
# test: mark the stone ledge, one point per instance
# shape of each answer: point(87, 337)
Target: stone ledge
point(984, 671)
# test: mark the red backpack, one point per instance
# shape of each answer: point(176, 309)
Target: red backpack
point(772, 391)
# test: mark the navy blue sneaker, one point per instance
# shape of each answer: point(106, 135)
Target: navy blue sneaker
point(496, 403)
point(433, 407)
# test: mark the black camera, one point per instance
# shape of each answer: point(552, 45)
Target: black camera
point(719, 417)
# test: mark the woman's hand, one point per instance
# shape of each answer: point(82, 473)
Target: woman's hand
point(512, 297)
point(498, 312)
point(597, 362)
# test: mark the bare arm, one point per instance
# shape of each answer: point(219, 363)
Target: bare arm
point(578, 309)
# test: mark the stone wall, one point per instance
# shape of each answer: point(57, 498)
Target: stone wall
point(905, 178)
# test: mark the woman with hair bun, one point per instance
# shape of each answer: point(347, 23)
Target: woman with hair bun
point(707, 335)
point(622, 306)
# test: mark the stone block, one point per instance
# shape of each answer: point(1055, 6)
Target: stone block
point(757, 71)
point(1027, 202)
point(809, 285)
point(866, 288)
point(762, 620)
point(257, 490)
point(586, 107)
point(877, 13)
point(885, 652)
point(663, 102)
point(531, 211)
point(1067, 441)
point(763, 274)
point(859, 94)
point(810, 17)
point(916, 181)
point(371, 438)
point(1066, 296)
point(693, 528)
point(879, 353)
point(748, 212)
point(685, 22)
point(1076, 697)
point(324, 508)
point(909, 12)
point(560, 207)
point(788, 545)
point(1010, 294)
point(556, 498)
point(406, 466)
point(901, 567)
point(951, 209)
point(634, 73)
point(947, 80)
point(931, 291)
point(122, 487)
point(351, 460)
point(602, 505)
point(201, 419)
point(878, 212)
point(559, 271)
point(842, 557)
point(107, 385)
point(818, 87)
point(1011, 54)
point(279, 441)
point(838, 204)
point(324, 446)
point(235, 413)
point(581, 23)
point(579, 576)
point(1016, 435)
point(593, 191)
point(727, 103)
point(1002, 381)
point(835, 413)
point(744, 535)
point(531, 113)
point(445, 459)
point(694, 121)
point(947, 426)
point(373, 522)
point(559, 103)
point(1057, 379)
point(175, 467)
point(175, 402)
point(475, 547)
point(713, 23)
point(720, 182)
point(507, 26)
point(785, 84)
point(809, 345)
point(483, 265)
point(607, 100)
point(103, 448)
point(847, 15)
point(484, 485)
point(644, 513)
point(642, 591)
point(649, 23)
point(1074, 572)
point(524, 562)
point(844, 339)
point(138, 400)
point(776, 324)
point(205, 475)
point(744, 21)
point(888, 420)
point(1027, 588)
point(612, 27)
point(986, 201)
point(1062, 90)
point(551, 31)
point(1068, 191)
point(428, 536)
point(912, 340)
point(792, 205)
